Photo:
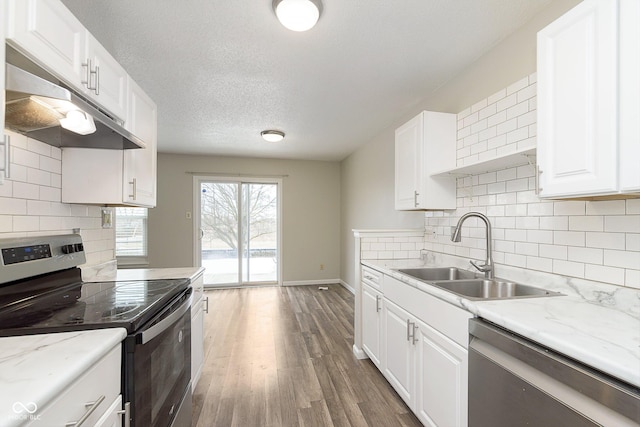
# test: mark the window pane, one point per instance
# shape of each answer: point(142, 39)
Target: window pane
point(131, 232)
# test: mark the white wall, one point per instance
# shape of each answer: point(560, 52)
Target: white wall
point(310, 211)
point(30, 201)
point(367, 175)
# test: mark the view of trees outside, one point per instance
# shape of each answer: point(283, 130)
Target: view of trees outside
point(131, 232)
point(254, 212)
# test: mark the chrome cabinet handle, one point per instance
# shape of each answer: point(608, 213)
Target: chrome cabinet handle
point(97, 87)
point(206, 305)
point(411, 332)
point(7, 158)
point(134, 184)
point(377, 303)
point(408, 329)
point(91, 407)
point(415, 199)
point(126, 413)
point(538, 173)
point(87, 79)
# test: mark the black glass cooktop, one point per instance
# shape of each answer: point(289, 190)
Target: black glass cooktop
point(62, 302)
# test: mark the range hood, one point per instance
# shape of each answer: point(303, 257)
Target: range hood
point(35, 107)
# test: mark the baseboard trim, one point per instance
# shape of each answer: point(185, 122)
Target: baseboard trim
point(347, 287)
point(359, 353)
point(311, 282)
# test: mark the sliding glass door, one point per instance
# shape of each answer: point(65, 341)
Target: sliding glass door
point(239, 231)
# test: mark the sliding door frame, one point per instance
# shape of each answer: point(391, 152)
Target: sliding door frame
point(197, 213)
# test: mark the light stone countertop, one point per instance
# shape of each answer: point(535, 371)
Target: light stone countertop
point(35, 369)
point(109, 272)
point(597, 324)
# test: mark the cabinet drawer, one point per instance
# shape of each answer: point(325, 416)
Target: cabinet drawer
point(371, 277)
point(101, 382)
point(446, 318)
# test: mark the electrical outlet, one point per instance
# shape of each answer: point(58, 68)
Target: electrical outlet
point(188, 215)
point(321, 266)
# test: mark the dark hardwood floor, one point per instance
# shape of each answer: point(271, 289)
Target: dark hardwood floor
point(283, 357)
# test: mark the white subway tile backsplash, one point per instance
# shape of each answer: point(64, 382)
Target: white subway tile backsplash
point(30, 202)
point(569, 238)
point(606, 274)
point(518, 110)
point(606, 207)
point(569, 208)
point(586, 223)
point(568, 268)
point(585, 255)
point(627, 223)
point(584, 239)
point(605, 240)
point(624, 259)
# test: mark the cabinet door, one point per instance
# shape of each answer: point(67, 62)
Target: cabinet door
point(408, 155)
point(197, 343)
point(47, 32)
point(398, 365)
point(371, 325)
point(577, 102)
point(139, 184)
point(107, 80)
point(112, 417)
point(629, 95)
point(441, 379)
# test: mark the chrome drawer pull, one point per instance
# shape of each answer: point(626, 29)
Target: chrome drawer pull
point(126, 413)
point(91, 407)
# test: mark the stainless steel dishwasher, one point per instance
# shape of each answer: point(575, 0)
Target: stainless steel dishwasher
point(515, 382)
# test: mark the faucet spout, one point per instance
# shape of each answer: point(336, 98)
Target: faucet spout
point(487, 267)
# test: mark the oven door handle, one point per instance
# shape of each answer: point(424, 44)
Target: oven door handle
point(166, 323)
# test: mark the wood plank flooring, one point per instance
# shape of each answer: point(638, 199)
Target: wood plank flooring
point(283, 357)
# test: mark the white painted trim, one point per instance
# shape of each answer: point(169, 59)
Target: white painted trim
point(359, 353)
point(311, 282)
point(348, 287)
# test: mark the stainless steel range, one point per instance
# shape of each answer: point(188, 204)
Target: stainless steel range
point(41, 291)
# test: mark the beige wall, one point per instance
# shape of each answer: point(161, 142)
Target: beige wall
point(367, 174)
point(310, 212)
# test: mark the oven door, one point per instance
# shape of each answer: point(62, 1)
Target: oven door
point(158, 367)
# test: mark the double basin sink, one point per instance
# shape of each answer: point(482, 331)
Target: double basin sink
point(468, 285)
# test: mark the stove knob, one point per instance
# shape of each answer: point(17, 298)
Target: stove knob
point(67, 249)
point(79, 247)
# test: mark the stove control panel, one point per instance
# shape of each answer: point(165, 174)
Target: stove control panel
point(25, 253)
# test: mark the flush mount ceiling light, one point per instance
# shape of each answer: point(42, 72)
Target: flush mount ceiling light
point(297, 15)
point(272, 135)
point(79, 122)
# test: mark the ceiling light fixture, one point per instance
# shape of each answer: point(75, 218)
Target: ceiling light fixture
point(272, 135)
point(78, 122)
point(297, 15)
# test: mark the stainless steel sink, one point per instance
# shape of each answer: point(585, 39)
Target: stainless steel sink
point(471, 286)
point(483, 289)
point(438, 273)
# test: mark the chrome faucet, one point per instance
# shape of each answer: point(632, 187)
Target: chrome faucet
point(487, 267)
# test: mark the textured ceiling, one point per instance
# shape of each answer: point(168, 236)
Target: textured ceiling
point(222, 71)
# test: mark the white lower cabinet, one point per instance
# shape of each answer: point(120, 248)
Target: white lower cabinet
point(423, 352)
point(399, 353)
point(441, 379)
point(91, 396)
point(113, 415)
point(371, 322)
point(197, 329)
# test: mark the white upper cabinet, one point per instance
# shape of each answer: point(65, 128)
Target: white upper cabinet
point(139, 183)
point(588, 108)
point(107, 80)
point(48, 33)
point(424, 145)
